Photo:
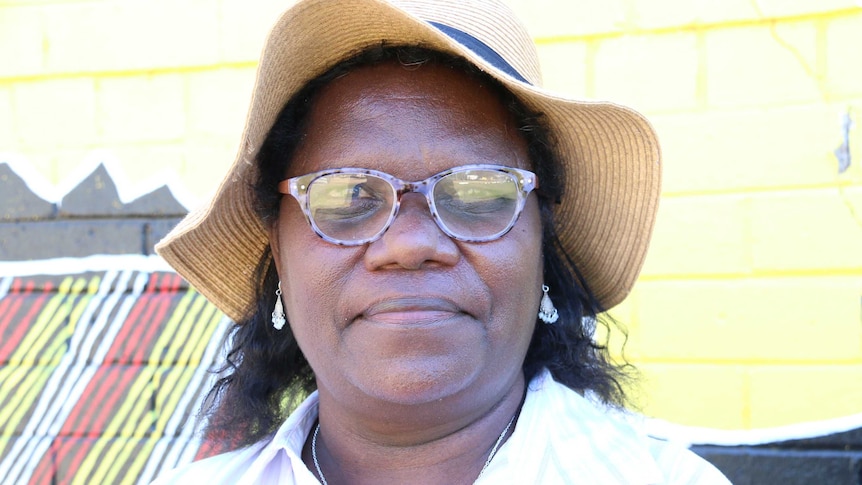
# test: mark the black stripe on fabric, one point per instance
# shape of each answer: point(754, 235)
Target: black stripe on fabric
point(480, 48)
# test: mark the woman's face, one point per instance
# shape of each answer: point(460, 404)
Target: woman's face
point(414, 317)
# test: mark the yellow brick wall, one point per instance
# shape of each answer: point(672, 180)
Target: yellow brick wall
point(749, 310)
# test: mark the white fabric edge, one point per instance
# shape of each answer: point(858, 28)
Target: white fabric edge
point(694, 435)
point(97, 262)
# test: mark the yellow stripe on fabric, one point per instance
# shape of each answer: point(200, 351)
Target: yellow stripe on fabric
point(14, 412)
point(115, 446)
point(55, 328)
point(191, 355)
point(137, 430)
point(92, 289)
point(133, 409)
point(33, 382)
point(187, 324)
point(180, 380)
point(26, 347)
point(179, 323)
point(16, 406)
point(72, 310)
point(94, 462)
point(203, 327)
point(55, 337)
point(51, 341)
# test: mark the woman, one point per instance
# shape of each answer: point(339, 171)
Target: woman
point(407, 206)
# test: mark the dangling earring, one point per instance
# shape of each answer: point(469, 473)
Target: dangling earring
point(547, 311)
point(278, 319)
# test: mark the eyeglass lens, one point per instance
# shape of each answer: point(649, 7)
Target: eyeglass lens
point(470, 204)
point(476, 203)
point(350, 207)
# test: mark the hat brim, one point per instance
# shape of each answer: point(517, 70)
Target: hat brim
point(610, 154)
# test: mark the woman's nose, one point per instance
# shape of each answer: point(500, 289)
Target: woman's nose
point(413, 240)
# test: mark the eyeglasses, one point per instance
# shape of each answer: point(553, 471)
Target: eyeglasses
point(354, 206)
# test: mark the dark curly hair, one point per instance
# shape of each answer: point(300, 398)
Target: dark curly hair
point(266, 374)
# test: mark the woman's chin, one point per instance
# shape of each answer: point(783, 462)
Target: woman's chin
point(414, 364)
point(413, 383)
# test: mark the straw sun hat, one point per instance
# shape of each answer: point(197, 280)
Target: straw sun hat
point(610, 153)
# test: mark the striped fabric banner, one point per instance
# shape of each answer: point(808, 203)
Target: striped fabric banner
point(104, 363)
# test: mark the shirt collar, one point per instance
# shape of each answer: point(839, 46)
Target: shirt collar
point(284, 450)
point(559, 435)
point(565, 438)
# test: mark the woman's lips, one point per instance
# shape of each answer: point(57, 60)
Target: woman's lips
point(411, 311)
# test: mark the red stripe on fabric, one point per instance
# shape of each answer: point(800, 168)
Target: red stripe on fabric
point(119, 342)
point(177, 282)
point(120, 392)
point(8, 308)
point(110, 386)
point(78, 422)
point(206, 450)
point(152, 328)
point(5, 302)
point(97, 415)
point(211, 447)
point(25, 323)
point(147, 326)
point(146, 316)
point(142, 304)
point(103, 378)
point(13, 297)
point(47, 470)
point(85, 416)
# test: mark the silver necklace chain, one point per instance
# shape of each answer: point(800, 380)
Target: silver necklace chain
point(487, 462)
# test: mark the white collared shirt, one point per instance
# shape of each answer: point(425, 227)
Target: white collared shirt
point(560, 438)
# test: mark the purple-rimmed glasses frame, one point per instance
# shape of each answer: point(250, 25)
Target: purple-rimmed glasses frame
point(298, 188)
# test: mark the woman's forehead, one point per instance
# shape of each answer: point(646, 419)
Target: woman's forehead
point(432, 115)
point(375, 92)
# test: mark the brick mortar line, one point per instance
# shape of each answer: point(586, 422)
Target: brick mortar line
point(728, 363)
point(825, 187)
point(176, 142)
point(95, 217)
point(694, 27)
point(128, 73)
point(842, 272)
point(708, 109)
point(40, 3)
point(711, 108)
point(548, 40)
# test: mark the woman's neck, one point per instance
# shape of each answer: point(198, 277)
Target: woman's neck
point(454, 449)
